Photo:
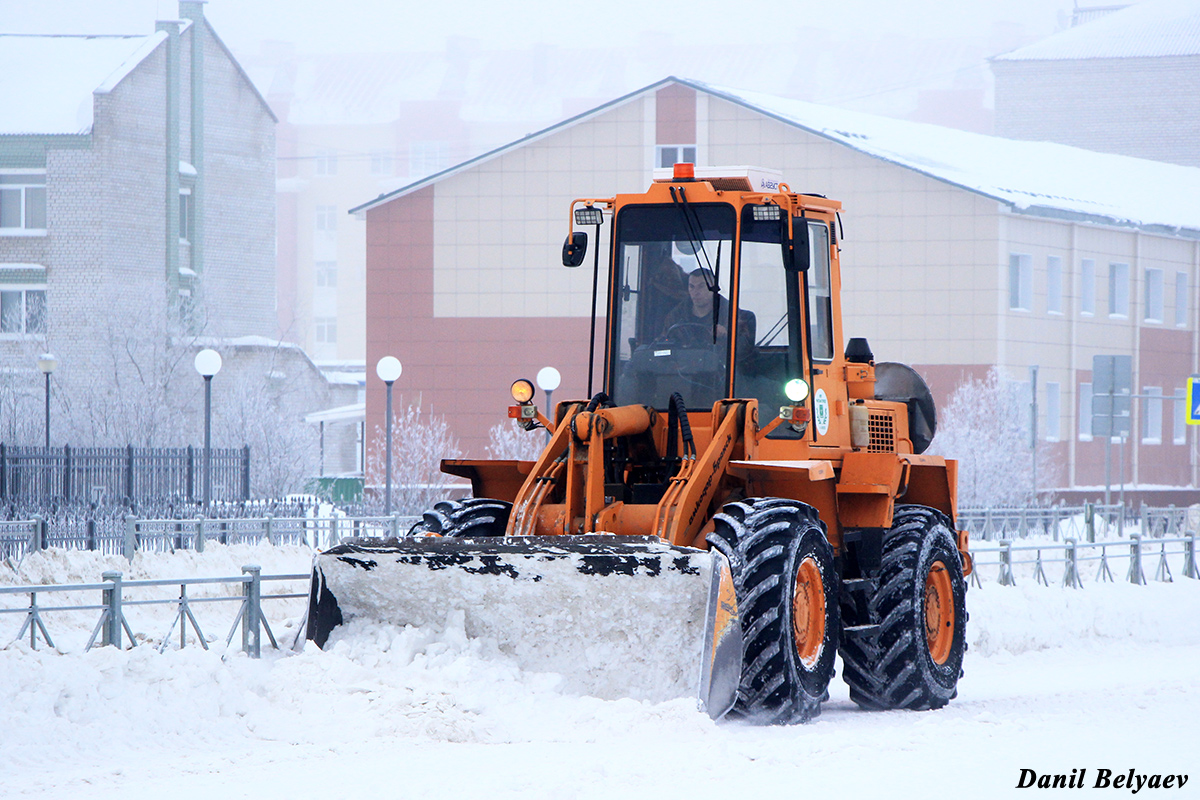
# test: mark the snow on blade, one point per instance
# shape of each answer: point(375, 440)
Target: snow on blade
point(614, 620)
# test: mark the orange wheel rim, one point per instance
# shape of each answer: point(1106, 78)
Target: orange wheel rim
point(808, 612)
point(939, 612)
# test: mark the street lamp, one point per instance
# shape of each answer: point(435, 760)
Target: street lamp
point(208, 363)
point(47, 363)
point(548, 379)
point(388, 369)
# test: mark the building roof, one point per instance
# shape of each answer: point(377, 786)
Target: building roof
point(1151, 29)
point(47, 82)
point(1039, 178)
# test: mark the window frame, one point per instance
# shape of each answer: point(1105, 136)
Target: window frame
point(1054, 285)
point(1118, 288)
point(25, 333)
point(36, 179)
point(1152, 415)
point(680, 154)
point(1053, 411)
point(1085, 412)
point(1181, 299)
point(1087, 287)
point(1179, 416)
point(1020, 282)
point(1154, 305)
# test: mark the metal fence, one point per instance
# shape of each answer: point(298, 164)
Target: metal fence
point(129, 534)
point(1088, 522)
point(117, 595)
point(1072, 563)
point(66, 475)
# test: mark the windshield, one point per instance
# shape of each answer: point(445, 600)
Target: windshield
point(671, 304)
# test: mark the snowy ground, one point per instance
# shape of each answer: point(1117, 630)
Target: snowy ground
point(1103, 677)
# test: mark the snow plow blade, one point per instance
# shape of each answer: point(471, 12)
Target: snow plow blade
point(616, 616)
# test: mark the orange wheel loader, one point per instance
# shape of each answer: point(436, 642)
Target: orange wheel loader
point(744, 498)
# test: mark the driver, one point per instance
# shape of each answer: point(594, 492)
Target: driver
point(697, 309)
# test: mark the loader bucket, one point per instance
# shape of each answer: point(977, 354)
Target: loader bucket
point(616, 616)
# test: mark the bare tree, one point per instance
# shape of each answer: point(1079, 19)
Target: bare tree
point(985, 427)
point(420, 441)
point(508, 440)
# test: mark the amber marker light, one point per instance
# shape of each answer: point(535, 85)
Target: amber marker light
point(522, 390)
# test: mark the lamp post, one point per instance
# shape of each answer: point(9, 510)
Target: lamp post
point(548, 379)
point(208, 364)
point(47, 363)
point(388, 369)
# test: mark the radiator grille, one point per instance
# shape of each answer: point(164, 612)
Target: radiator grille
point(882, 431)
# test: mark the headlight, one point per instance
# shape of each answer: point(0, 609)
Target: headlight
point(588, 215)
point(522, 390)
point(796, 390)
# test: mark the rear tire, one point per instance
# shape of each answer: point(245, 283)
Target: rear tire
point(475, 516)
point(914, 659)
point(787, 595)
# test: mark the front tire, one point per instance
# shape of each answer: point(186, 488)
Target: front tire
point(787, 594)
point(913, 659)
point(475, 516)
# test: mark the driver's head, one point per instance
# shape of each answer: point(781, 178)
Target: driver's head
point(698, 283)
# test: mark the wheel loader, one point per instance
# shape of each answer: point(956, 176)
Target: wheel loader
point(746, 496)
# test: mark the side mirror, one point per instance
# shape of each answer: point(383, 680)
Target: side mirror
point(574, 249)
point(796, 252)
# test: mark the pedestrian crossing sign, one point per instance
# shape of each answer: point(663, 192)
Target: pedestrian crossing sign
point(1193, 400)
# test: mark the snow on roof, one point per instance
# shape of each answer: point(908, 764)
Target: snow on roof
point(47, 82)
point(1035, 177)
point(1039, 178)
point(1155, 28)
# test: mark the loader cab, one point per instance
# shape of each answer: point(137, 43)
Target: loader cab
point(705, 299)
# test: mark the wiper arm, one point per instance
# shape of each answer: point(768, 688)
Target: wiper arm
point(775, 330)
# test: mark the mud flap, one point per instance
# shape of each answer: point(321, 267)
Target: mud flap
point(616, 616)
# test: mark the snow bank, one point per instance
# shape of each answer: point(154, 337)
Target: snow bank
point(433, 712)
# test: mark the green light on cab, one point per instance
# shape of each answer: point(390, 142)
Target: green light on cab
point(796, 390)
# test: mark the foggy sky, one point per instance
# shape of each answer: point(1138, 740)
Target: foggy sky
point(383, 25)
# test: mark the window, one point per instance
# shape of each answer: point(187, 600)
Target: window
point(820, 317)
point(381, 163)
point(1054, 285)
point(185, 215)
point(326, 162)
point(1154, 295)
point(1085, 412)
point(1118, 290)
point(668, 155)
point(327, 218)
point(1152, 415)
point(1020, 282)
point(1179, 417)
point(22, 201)
point(326, 274)
point(22, 311)
point(1053, 411)
point(326, 330)
point(1181, 299)
point(425, 158)
point(1087, 287)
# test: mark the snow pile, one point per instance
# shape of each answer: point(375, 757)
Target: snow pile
point(546, 610)
point(1030, 617)
point(432, 712)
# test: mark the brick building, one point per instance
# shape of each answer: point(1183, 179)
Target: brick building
point(137, 220)
point(961, 251)
point(1125, 82)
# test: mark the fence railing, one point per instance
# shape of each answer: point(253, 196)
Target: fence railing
point(1088, 522)
point(1071, 561)
point(19, 537)
point(113, 622)
point(107, 474)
